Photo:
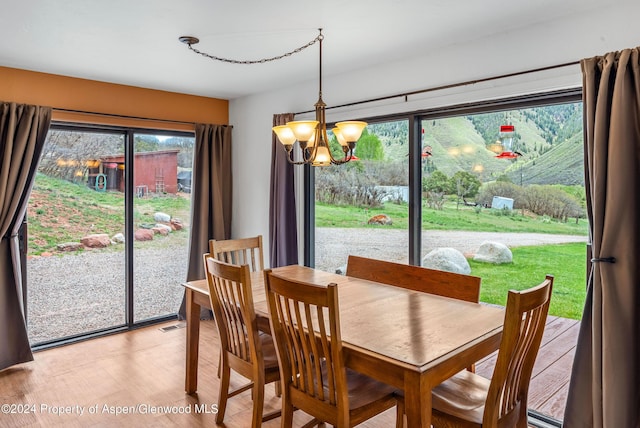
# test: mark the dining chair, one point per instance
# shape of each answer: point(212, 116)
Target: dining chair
point(238, 252)
point(241, 251)
point(433, 281)
point(469, 400)
point(243, 348)
point(305, 323)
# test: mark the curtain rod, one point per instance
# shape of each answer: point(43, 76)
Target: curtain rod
point(449, 86)
point(122, 116)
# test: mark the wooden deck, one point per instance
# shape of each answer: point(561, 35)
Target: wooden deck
point(143, 370)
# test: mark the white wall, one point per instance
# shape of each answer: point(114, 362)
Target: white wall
point(586, 35)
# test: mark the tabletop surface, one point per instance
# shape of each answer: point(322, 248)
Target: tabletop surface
point(411, 327)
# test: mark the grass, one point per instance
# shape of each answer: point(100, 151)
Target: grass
point(449, 218)
point(566, 262)
point(60, 211)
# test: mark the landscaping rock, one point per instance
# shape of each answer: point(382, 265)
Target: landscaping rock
point(143, 235)
point(164, 227)
point(447, 259)
point(98, 240)
point(342, 270)
point(69, 246)
point(176, 224)
point(162, 217)
point(161, 230)
point(493, 252)
point(381, 219)
point(118, 238)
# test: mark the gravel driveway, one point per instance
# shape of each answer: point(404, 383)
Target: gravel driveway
point(76, 293)
point(334, 244)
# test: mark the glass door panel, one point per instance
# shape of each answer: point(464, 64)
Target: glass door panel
point(361, 207)
point(162, 204)
point(75, 263)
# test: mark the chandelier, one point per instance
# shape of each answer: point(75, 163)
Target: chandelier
point(311, 135)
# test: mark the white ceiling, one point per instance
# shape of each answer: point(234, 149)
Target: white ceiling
point(135, 42)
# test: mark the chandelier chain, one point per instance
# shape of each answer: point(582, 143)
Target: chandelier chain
point(262, 60)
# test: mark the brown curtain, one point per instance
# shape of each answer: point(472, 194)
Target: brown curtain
point(605, 382)
point(23, 130)
point(211, 196)
point(283, 229)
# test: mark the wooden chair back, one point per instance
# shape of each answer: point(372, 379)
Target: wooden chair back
point(232, 304)
point(433, 281)
point(525, 318)
point(239, 252)
point(303, 318)
point(243, 349)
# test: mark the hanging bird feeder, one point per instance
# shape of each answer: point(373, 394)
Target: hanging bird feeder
point(506, 139)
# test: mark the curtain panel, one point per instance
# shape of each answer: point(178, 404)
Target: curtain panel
point(23, 131)
point(211, 197)
point(605, 382)
point(283, 228)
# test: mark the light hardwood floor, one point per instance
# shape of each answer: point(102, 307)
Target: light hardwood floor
point(140, 371)
point(143, 371)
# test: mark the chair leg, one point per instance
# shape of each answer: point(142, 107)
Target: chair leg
point(278, 387)
point(223, 395)
point(258, 404)
point(400, 414)
point(287, 414)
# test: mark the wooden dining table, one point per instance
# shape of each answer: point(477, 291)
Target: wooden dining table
point(408, 339)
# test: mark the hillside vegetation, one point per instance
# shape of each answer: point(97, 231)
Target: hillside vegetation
point(549, 139)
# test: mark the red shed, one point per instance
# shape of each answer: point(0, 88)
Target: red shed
point(155, 172)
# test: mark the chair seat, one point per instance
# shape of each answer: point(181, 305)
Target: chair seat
point(463, 395)
point(269, 354)
point(364, 390)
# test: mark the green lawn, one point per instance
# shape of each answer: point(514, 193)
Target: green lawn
point(566, 262)
point(530, 264)
point(60, 211)
point(449, 218)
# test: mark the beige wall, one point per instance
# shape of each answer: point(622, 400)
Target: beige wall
point(143, 108)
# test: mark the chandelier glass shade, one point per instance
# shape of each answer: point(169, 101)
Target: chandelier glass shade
point(312, 138)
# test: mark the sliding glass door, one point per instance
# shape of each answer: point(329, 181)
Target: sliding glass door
point(107, 227)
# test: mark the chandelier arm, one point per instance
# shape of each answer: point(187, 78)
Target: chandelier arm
point(290, 158)
point(190, 41)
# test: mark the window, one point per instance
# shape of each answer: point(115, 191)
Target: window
point(107, 228)
point(445, 161)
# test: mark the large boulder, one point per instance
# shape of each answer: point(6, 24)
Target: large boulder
point(176, 224)
point(118, 238)
point(97, 240)
point(493, 252)
point(69, 246)
point(159, 216)
point(447, 259)
point(143, 235)
point(162, 229)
